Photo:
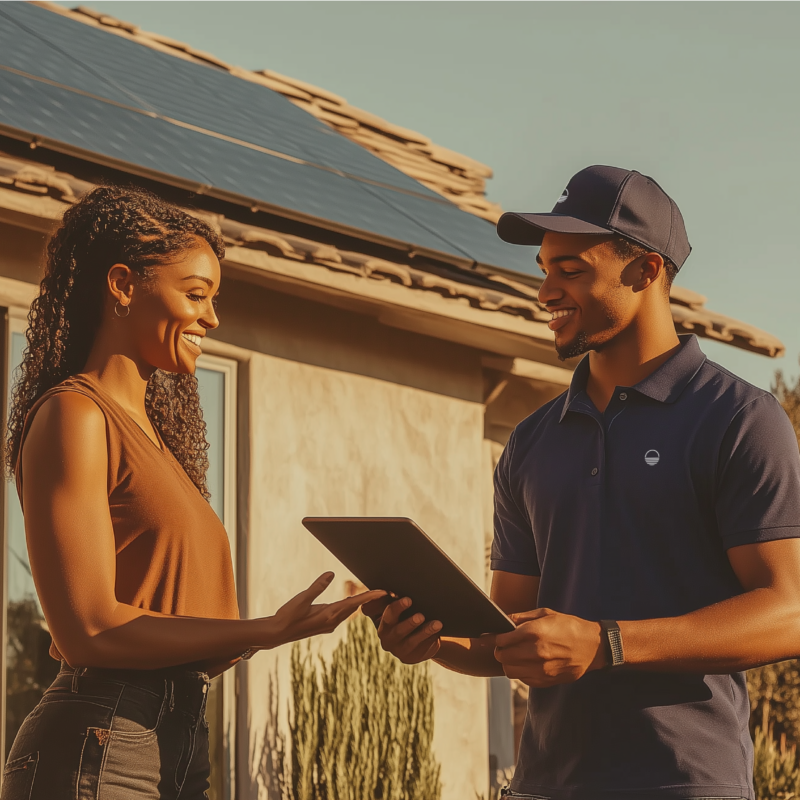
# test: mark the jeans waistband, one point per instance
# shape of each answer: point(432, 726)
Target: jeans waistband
point(183, 675)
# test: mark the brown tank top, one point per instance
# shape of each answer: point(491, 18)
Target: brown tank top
point(173, 555)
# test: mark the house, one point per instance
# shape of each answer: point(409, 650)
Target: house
point(378, 341)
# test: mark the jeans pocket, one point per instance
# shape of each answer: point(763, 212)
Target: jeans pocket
point(132, 767)
point(18, 777)
point(136, 716)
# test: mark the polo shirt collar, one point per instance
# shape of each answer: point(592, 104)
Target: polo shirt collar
point(664, 385)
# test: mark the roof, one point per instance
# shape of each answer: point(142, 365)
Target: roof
point(37, 190)
point(152, 108)
point(459, 178)
point(420, 168)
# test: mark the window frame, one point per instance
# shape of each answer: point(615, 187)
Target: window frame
point(15, 320)
point(230, 369)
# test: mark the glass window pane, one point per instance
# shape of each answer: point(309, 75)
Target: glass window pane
point(211, 385)
point(29, 668)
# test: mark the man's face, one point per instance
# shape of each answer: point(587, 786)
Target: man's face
point(587, 289)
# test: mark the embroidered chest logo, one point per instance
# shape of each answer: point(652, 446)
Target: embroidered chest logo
point(651, 458)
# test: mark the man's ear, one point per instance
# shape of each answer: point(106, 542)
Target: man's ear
point(121, 283)
point(647, 269)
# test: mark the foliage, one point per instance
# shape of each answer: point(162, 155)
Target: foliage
point(776, 772)
point(789, 397)
point(29, 668)
point(774, 700)
point(362, 726)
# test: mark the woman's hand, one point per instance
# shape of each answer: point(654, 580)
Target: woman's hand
point(301, 617)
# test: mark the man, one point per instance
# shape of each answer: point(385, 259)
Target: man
point(646, 526)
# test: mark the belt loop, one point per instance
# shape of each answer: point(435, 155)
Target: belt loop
point(171, 690)
point(77, 672)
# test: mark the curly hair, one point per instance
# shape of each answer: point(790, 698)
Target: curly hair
point(109, 225)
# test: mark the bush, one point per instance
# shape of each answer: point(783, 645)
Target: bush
point(774, 701)
point(776, 773)
point(361, 726)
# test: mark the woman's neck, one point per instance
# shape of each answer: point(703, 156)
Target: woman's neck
point(122, 379)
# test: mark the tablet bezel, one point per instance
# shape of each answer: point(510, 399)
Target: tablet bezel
point(490, 614)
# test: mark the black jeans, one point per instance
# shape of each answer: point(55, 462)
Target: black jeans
point(113, 735)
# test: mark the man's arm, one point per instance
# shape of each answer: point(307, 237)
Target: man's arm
point(414, 640)
point(759, 626)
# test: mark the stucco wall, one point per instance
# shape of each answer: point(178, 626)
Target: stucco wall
point(326, 441)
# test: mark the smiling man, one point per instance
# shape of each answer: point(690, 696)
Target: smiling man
point(646, 526)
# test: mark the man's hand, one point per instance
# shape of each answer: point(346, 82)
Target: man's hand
point(409, 640)
point(548, 648)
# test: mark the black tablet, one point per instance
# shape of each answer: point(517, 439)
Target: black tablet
point(394, 554)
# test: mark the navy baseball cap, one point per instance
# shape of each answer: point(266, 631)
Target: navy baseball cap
point(607, 200)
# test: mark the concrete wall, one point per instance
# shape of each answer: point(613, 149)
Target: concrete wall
point(348, 417)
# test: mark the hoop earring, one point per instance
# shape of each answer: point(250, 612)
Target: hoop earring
point(127, 310)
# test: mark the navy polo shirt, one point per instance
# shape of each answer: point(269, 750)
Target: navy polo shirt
point(628, 515)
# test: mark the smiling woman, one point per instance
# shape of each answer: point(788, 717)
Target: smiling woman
point(131, 565)
point(122, 226)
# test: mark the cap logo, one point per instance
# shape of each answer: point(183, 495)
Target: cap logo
point(652, 457)
point(563, 197)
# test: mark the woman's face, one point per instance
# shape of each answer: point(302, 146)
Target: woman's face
point(170, 315)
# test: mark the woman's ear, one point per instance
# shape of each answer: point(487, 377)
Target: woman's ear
point(121, 284)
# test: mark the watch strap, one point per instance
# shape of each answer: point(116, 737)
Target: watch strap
point(613, 642)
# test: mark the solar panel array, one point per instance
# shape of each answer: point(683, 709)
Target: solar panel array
point(92, 89)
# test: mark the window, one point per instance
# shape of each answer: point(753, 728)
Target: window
point(217, 383)
point(28, 668)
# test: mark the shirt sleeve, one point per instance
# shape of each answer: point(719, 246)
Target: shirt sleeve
point(513, 547)
point(758, 484)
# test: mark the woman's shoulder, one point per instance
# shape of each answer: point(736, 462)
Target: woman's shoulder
point(66, 414)
point(66, 430)
point(73, 398)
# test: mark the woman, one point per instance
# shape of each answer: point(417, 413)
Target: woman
point(131, 565)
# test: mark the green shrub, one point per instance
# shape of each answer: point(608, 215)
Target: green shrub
point(774, 701)
point(776, 773)
point(361, 726)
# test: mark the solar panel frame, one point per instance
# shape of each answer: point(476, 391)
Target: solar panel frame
point(104, 95)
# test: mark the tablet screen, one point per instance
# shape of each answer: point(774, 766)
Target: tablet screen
point(394, 554)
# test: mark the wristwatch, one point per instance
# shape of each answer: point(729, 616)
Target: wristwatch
point(249, 653)
point(613, 642)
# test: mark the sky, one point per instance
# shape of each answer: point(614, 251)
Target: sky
point(701, 96)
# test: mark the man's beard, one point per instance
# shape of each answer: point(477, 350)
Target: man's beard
point(573, 348)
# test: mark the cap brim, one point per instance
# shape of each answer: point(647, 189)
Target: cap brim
point(531, 228)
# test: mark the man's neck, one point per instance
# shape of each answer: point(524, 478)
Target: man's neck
point(628, 359)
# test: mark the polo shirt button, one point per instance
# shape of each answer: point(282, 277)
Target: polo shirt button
point(623, 396)
point(594, 471)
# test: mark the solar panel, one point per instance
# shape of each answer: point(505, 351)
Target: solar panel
point(115, 97)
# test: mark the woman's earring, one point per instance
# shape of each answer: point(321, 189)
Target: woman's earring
point(116, 310)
